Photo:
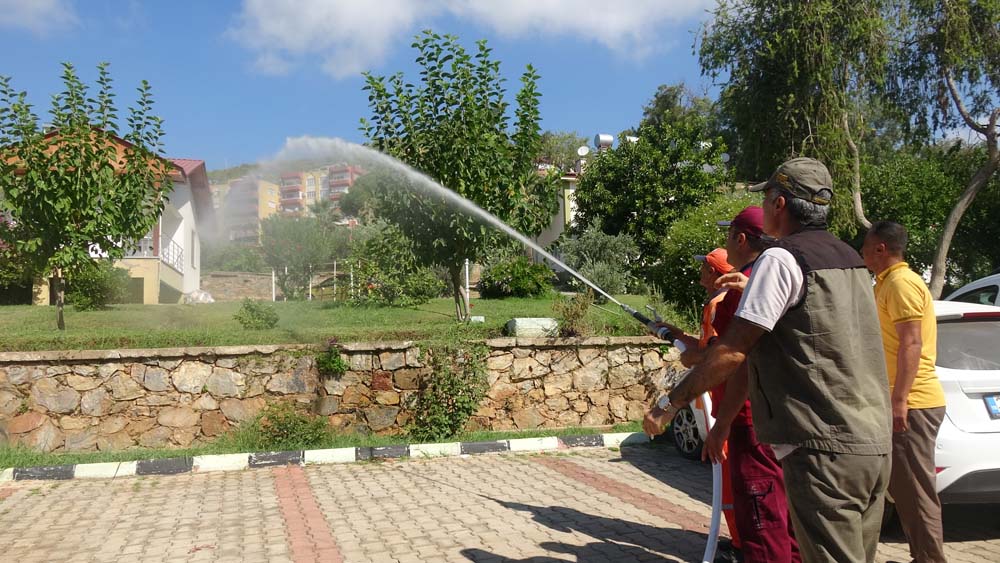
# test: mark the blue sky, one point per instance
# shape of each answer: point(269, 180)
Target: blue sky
point(234, 79)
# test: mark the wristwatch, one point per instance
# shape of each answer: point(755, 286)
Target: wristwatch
point(664, 402)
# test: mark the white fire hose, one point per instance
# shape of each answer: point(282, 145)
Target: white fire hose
point(705, 410)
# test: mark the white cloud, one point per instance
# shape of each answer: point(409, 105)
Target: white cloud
point(348, 36)
point(632, 28)
point(37, 16)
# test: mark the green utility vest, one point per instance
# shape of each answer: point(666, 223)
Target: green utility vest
point(818, 379)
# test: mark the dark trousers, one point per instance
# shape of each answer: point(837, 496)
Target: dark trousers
point(913, 485)
point(836, 503)
point(759, 500)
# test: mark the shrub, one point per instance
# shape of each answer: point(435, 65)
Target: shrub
point(606, 260)
point(97, 285)
point(256, 315)
point(572, 313)
point(697, 232)
point(389, 272)
point(516, 277)
point(282, 427)
point(331, 363)
point(449, 395)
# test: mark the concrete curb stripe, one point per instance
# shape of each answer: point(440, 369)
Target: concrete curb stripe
point(625, 439)
point(332, 455)
point(241, 461)
point(50, 472)
point(126, 468)
point(166, 466)
point(582, 441)
point(390, 452)
point(96, 470)
point(224, 462)
point(271, 459)
point(484, 447)
point(534, 444)
point(436, 450)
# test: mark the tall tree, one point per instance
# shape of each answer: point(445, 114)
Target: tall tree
point(639, 188)
point(948, 76)
point(294, 247)
point(77, 188)
point(558, 148)
point(796, 77)
point(454, 127)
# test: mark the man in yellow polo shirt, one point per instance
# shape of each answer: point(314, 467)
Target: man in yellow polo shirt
point(909, 336)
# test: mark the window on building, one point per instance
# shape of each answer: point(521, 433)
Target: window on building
point(194, 249)
point(310, 182)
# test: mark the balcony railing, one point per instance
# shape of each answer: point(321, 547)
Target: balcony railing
point(172, 255)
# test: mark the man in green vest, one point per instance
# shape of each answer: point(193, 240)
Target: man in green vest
point(808, 329)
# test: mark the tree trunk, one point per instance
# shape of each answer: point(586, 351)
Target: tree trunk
point(60, 298)
point(461, 304)
point(859, 210)
point(979, 179)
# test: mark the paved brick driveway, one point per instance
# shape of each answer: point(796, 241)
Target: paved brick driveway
point(639, 504)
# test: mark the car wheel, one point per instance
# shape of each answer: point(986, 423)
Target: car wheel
point(685, 431)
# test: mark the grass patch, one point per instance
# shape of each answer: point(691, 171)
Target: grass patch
point(247, 438)
point(31, 328)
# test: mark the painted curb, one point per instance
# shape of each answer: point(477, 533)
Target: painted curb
point(534, 444)
point(436, 450)
point(332, 455)
point(223, 462)
point(241, 461)
point(96, 470)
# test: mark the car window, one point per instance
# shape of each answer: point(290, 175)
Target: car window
point(983, 296)
point(969, 345)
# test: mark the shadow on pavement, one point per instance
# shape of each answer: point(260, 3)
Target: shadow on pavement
point(962, 523)
point(661, 461)
point(621, 540)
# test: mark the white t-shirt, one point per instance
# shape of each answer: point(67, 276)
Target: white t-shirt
point(776, 285)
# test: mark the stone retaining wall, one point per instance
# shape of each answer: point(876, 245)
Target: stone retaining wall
point(236, 286)
point(109, 400)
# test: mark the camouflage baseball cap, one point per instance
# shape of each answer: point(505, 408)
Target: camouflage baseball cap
point(804, 178)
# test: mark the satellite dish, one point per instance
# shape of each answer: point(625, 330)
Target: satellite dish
point(583, 151)
point(725, 157)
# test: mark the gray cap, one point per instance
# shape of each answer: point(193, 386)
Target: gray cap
point(804, 178)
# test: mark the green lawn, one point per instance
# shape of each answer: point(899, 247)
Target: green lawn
point(24, 328)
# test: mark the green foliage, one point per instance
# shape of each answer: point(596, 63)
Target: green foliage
point(917, 190)
point(331, 364)
point(572, 313)
point(515, 277)
point(71, 190)
point(454, 126)
point(97, 285)
point(673, 104)
point(359, 201)
point(232, 173)
point(450, 394)
point(389, 273)
point(294, 247)
point(676, 277)
point(793, 69)
point(228, 257)
point(640, 188)
point(281, 427)
point(604, 259)
point(558, 148)
point(256, 315)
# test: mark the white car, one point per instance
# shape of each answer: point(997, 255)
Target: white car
point(968, 365)
point(984, 291)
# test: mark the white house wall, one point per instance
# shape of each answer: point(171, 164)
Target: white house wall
point(184, 233)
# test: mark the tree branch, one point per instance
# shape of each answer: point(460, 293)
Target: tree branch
point(977, 127)
point(859, 211)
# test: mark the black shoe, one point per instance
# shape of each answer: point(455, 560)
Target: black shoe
point(728, 554)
